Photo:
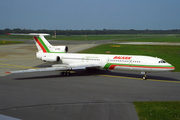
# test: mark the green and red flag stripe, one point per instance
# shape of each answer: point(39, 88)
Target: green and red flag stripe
point(42, 45)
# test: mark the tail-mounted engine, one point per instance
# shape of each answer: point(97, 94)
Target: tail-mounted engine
point(51, 58)
point(59, 49)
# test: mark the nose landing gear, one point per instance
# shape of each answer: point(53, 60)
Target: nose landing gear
point(145, 76)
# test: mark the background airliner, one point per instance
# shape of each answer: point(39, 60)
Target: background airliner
point(65, 62)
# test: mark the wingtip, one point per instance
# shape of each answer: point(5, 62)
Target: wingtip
point(8, 33)
point(7, 72)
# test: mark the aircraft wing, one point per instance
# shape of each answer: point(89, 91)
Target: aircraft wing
point(84, 66)
point(58, 67)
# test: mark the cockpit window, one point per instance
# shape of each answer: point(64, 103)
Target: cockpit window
point(162, 61)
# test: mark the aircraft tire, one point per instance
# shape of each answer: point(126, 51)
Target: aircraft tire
point(62, 73)
point(68, 73)
point(144, 78)
point(65, 73)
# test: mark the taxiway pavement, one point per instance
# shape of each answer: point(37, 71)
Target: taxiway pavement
point(99, 95)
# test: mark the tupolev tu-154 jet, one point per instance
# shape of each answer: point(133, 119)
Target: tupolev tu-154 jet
point(65, 62)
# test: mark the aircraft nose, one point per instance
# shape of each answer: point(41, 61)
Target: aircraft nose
point(171, 67)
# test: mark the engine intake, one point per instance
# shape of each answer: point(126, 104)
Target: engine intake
point(59, 49)
point(51, 59)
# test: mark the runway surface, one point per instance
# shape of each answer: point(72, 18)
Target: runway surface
point(99, 95)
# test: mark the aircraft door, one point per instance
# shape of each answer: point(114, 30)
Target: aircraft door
point(105, 63)
point(108, 63)
point(108, 60)
point(130, 64)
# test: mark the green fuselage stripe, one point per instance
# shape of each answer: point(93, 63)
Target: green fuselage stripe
point(134, 65)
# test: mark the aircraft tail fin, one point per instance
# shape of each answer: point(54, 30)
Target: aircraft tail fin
point(42, 44)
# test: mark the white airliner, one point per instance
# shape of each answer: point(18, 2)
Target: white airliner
point(65, 62)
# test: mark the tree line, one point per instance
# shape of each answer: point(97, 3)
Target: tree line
point(90, 32)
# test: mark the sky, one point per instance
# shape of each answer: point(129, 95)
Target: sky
point(90, 14)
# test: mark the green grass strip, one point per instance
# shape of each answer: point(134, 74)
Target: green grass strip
point(119, 37)
point(153, 39)
point(158, 110)
point(134, 65)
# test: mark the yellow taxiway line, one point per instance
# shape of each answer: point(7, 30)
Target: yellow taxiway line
point(140, 79)
point(13, 59)
point(2, 65)
point(15, 66)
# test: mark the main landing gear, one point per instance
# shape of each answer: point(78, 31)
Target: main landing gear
point(145, 76)
point(66, 73)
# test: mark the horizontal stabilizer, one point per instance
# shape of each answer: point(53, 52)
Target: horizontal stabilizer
point(30, 34)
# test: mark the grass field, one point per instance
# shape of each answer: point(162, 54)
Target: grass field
point(158, 110)
point(118, 37)
point(78, 37)
point(169, 53)
point(154, 39)
point(101, 37)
